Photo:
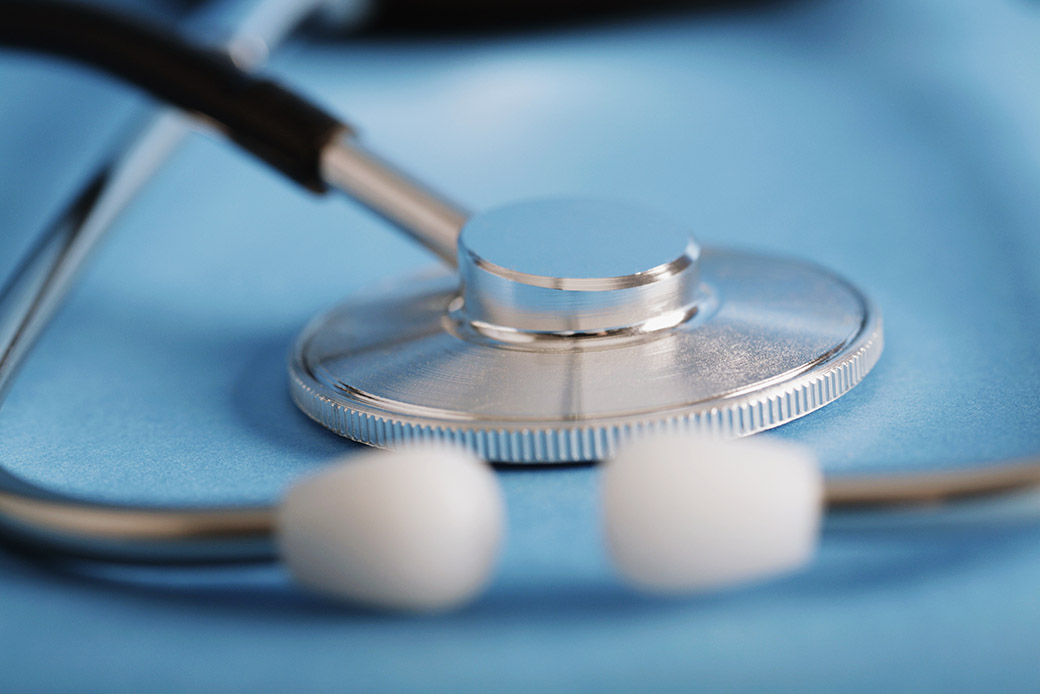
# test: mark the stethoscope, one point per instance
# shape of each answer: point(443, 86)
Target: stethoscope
point(558, 331)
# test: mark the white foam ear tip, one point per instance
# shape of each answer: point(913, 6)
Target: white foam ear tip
point(684, 514)
point(411, 530)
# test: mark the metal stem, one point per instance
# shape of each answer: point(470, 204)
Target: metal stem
point(413, 207)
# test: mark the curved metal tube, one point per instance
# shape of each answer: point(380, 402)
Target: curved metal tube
point(931, 487)
point(42, 523)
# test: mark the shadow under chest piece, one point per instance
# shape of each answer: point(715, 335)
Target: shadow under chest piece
point(573, 325)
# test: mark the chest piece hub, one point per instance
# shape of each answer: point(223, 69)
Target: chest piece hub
point(573, 325)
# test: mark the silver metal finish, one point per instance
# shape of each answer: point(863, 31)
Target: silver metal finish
point(575, 268)
point(521, 372)
point(54, 525)
point(38, 286)
point(412, 207)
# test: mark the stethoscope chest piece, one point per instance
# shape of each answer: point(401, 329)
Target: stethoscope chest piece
point(573, 325)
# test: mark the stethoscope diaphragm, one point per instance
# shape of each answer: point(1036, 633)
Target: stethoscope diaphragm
point(523, 363)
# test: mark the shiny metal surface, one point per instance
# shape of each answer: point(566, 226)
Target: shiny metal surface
point(412, 207)
point(35, 291)
point(575, 268)
point(770, 340)
point(932, 487)
point(56, 526)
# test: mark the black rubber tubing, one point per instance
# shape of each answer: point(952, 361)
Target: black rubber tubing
point(271, 122)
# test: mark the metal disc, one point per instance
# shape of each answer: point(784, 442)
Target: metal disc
point(771, 340)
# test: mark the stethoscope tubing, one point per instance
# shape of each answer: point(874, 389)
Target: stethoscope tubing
point(273, 123)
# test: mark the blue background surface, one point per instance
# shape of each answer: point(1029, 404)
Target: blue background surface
point(896, 143)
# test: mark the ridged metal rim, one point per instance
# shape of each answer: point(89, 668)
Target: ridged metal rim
point(726, 417)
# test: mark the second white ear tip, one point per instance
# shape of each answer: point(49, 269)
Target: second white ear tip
point(684, 514)
point(413, 530)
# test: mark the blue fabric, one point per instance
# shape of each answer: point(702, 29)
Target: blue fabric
point(896, 143)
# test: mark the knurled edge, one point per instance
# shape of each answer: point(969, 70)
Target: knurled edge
point(775, 406)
